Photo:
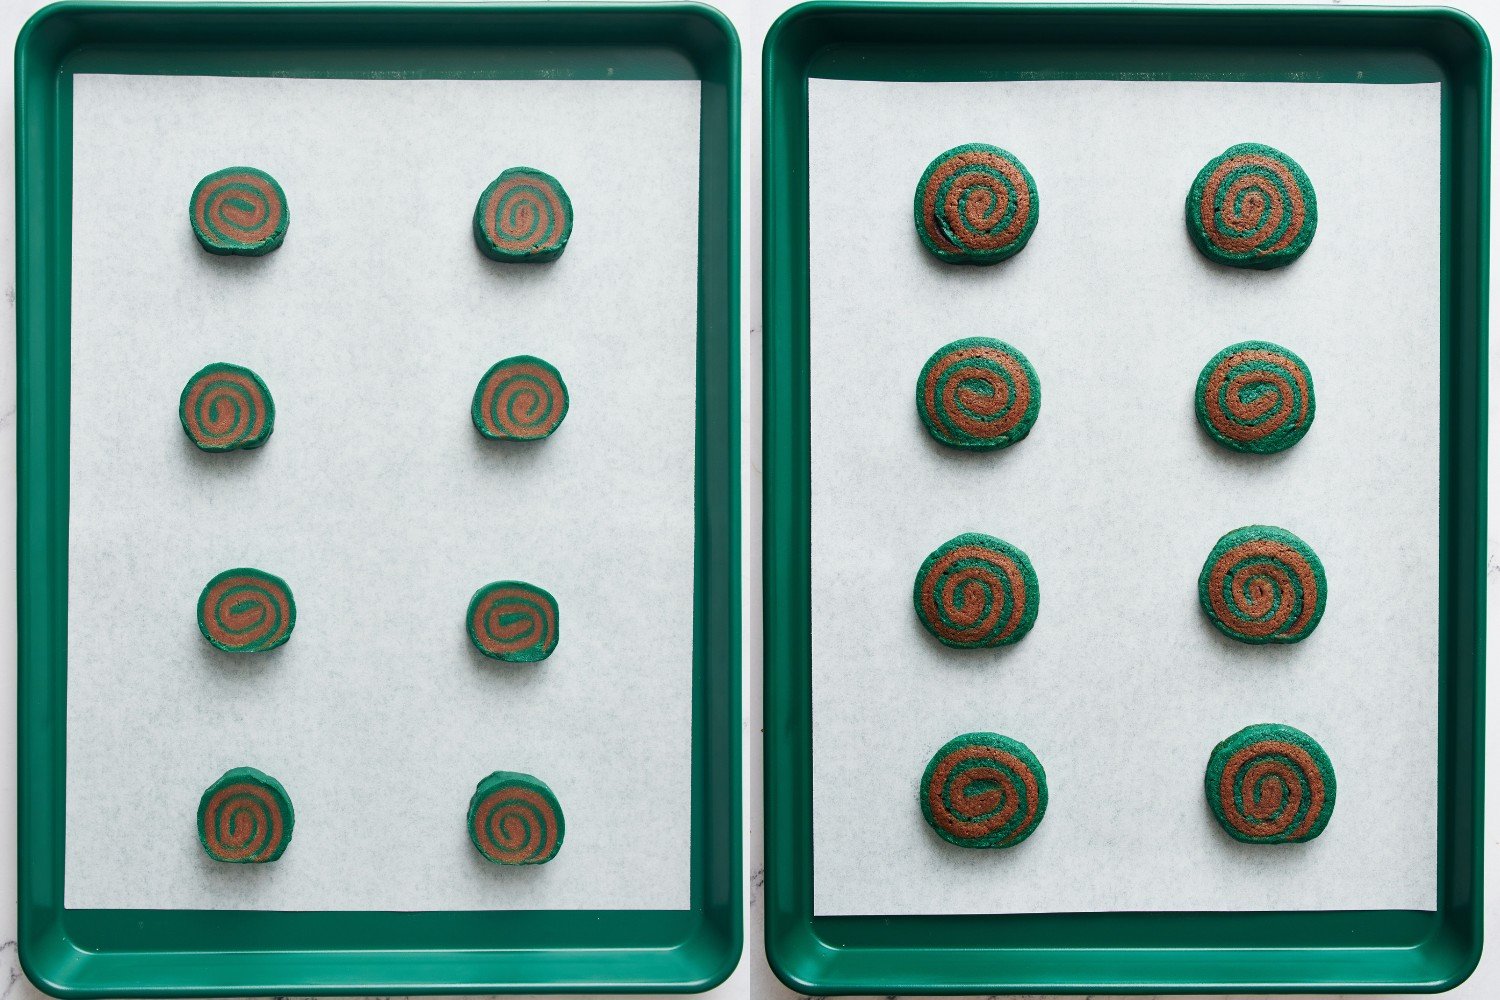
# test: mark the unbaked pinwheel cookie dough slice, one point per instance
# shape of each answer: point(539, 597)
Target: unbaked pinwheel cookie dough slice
point(245, 818)
point(514, 819)
point(524, 216)
point(226, 407)
point(514, 621)
point(246, 610)
point(239, 211)
point(519, 399)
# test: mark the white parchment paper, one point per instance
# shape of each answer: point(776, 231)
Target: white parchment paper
point(376, 499)
point(1123, 687)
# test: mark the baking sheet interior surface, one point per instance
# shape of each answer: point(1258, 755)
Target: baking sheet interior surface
point(1123, 687)
point(375, 498)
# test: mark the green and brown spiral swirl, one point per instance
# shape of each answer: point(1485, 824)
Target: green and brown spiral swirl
point(1252, 206)
point(224, 407)
point(1255, 396)
point(246, 610)
point(513, 621)
point(1263, 584)
point(979, 393)
point(514, 819)
point(976, 591)
point(524, 215)
point(983, 790)
point(519, 399)
point(240, 211)
point(245, 818)
point(1270, 784)
point(975, 204)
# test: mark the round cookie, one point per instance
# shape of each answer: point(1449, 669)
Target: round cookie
point(245, 818)
point(1252, 206)
point(240, 211)
point(224, 407)
point(1255, 396)
point(523, 216)
point(246, 610)
point(519, 399)
point(514, 819)
point(513, 621)
point(1263, 584)
point(975, 204)
point(983, 790)
point(976, 591)
point(1270, 784)
point(979, 393)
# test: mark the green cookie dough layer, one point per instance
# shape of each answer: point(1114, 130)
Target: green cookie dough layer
point(983, 790)
point(1270, 784)
point(976, 591)
point(1255, 396)
point(975, 204)
point(1252, 206)
point(978, 393)
point(519, 399)
point(1263, 584)
point(524, 216)
point(514, 819)
point(225, 407)
point(246, 610)
point(245, 818)
point(240, 211)
point(513, 621)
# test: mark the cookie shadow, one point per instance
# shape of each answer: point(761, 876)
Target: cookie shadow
point(504, 676)
point(521, 276)
point(219, 464)
point(1247, 462)
point(1260, 655)
point(1235, 277)
point(950, 658)
point(232, 267)
point(520, 458)
point(963, 458)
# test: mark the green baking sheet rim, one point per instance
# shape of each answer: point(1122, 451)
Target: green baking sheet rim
point(93, 953)
point(1125, 952)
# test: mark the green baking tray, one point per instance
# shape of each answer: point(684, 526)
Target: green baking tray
point(1343, 951)
point(93, 953)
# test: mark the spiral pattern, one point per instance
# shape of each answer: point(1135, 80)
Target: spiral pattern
point(975, 204)
point(239, 210)
point(519, 399)
point(1252, 207)
point(978, 393)
point(1270, 784)
point(977, 591)
point(524, 215)
point(1255, 396)
point(246, 611)
point(513, 621)
point(245, 817)
point(1263, 584)
point(983, 790)
point(224, 407)
point(514, 819)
